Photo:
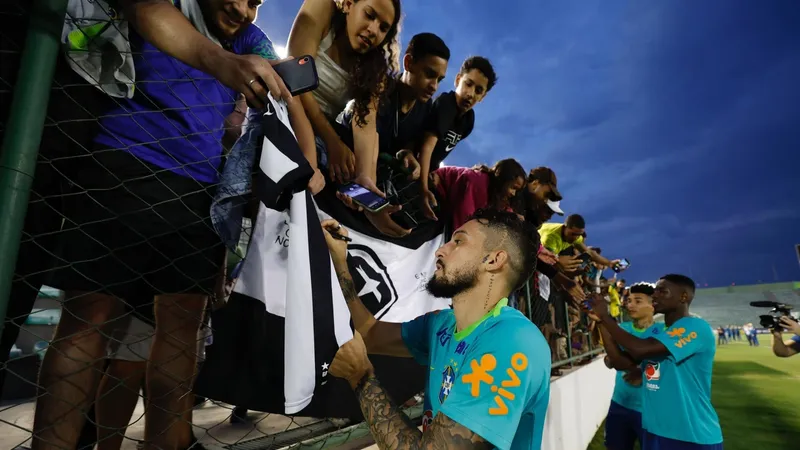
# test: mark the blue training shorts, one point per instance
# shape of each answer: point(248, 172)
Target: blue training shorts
point(623, 427)
point(652, 442)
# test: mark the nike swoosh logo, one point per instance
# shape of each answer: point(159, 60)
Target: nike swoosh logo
point(449, 147)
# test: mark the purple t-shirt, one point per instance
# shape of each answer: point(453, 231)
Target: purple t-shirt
point(176, 117)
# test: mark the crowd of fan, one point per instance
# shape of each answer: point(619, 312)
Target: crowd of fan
point(141, 175)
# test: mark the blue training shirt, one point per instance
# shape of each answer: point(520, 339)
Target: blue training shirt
point(676, 393)
point(492, 377)
point(626, 394)
point(175, 118)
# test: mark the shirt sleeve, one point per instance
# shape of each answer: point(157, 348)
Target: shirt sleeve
point(257, 43)
point(417, 336)
point(796, 343)
point(551, 241)
point(503, 371)
point(448, 177)
point(442, 115)
point(687, 337)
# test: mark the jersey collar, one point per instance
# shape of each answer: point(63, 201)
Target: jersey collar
point(494, 312)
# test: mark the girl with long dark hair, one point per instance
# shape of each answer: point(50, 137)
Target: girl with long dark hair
point(354, 43)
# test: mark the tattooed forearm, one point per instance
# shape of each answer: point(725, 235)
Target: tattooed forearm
point(392, 429)
point(362, 317)
point(347, 285)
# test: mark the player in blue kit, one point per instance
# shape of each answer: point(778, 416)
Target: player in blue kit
point(489, 379)
point(624, 420)
point(677, 363)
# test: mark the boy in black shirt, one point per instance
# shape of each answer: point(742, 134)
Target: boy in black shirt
point(452, 120)
point(401, 120)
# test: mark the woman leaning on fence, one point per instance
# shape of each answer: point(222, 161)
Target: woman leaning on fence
point(355, 48)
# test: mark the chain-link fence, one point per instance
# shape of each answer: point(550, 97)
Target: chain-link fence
point(573, 338)
point(93, 352)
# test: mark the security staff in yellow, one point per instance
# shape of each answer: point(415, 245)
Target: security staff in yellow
point(489, 379)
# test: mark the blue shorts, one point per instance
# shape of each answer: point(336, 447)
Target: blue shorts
point(652, 442)
point(623, 427)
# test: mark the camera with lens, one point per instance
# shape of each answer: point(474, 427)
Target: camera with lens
point(772, 320)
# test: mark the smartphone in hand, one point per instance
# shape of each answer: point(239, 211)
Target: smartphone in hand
point(364, 197)
point(299, 74)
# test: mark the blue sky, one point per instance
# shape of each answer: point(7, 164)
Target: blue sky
point(673, 126)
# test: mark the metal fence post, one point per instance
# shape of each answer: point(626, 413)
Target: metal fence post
point(528, 300)
point(23, 133)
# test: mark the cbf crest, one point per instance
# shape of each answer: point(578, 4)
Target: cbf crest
point(448, 378)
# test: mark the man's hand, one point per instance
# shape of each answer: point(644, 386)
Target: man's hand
point(790, 325)
point(410, 162)
point(428, 203)
point(597, 304)
point(569, 264)
point(316, 183)
point(547, 257)
point(251, 75)
point(383, 222)
point(341, 161)
point(337, 247)
point(351, 361)
point(369, 183)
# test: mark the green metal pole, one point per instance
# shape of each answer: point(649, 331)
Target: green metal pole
point(569, 329)
point(24, 132)
point(528, 298)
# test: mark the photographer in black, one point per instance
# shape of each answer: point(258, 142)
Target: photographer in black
point(789, 347)
point(778, 321)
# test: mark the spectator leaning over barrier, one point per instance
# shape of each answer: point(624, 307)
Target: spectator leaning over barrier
point(452, 120)
point(139, 227)
point(401, 119)
point(470, 348)
point(789, 347)
point(407, 103)
point(677, 367)
point(465, 190)
point(558, 237)
point(354, 45)
point(624, 420)
point(543, 184)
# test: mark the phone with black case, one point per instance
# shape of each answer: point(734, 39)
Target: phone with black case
point(299, 74)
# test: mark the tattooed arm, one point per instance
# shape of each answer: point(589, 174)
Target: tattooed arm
point(382, 338)
point(392, 429)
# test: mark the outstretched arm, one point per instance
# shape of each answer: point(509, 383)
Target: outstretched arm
point(638, 349)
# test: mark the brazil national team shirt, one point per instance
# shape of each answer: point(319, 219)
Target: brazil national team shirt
point(626, 394)
point(492, 377)
point(676, 390)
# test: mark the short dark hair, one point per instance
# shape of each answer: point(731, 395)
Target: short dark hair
point(575, 221)
point(427, 44)
point(681, 280)
point(516, 237)
point(483, 66)
point(622, 280)
point(642, 288)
